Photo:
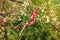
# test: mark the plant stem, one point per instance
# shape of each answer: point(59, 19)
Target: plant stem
point(22, 30)
point(55, 27)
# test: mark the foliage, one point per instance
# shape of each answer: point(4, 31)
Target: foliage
point(47, 20)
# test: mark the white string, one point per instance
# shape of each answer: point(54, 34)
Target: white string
point(22, 30)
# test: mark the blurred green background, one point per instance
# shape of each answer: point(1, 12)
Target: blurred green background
point(47, 20)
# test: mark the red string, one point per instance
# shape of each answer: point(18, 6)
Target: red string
point(34, 12)
point(31, 21)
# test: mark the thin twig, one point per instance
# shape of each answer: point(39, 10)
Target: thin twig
point(55, 27)
point(22, 30)
point(16, 1)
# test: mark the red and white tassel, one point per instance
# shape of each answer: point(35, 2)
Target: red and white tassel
point(31, 22)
